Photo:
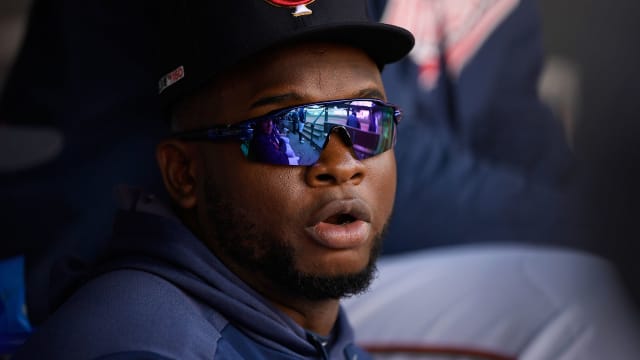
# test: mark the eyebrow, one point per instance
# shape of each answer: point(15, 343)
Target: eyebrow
point(295, 97)
point(370, 93)
point(274, 100)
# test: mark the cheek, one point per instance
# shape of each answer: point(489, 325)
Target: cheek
point(382, 178)
point(274, 192)
point(261, 192)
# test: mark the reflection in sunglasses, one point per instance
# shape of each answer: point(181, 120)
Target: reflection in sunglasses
point(368, 125)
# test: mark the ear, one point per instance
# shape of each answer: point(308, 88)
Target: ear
point(178, 164)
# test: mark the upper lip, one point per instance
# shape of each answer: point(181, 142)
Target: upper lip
point(353, 207)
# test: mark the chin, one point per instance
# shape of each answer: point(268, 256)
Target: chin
point(336, 262)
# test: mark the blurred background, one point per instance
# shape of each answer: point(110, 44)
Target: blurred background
point(591, 82)
point(13, 14)
point(598, 40)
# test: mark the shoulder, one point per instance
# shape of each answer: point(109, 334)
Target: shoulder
point(124, 311)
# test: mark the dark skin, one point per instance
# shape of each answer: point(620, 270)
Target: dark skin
point(284, 202)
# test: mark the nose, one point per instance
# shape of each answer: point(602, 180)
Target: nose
point(337, 165)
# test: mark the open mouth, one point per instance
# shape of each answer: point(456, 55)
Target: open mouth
point(341, 219)
point(341, 224)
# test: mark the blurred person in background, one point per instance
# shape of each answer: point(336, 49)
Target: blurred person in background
point(489, 186)
point(488, 161)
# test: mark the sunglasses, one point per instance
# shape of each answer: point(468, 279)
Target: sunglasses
point(297, 135)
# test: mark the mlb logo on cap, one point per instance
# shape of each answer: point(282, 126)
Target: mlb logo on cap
point(170, 79)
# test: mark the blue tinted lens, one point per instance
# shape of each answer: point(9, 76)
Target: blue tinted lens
point(296, 136)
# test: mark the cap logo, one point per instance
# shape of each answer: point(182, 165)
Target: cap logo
point(170, 79)
point(299, 6)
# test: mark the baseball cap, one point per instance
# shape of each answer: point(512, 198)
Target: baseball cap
point(200, 39)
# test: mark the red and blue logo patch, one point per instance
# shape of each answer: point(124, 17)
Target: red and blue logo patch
point(171, 78)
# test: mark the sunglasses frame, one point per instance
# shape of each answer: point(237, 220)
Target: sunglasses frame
point(243, 130)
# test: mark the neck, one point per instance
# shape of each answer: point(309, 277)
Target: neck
point(318, 316)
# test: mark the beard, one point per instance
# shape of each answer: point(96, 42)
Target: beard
point(242, 241)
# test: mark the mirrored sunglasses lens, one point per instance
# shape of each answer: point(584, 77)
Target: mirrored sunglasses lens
point(298, 135)
point(285, 140)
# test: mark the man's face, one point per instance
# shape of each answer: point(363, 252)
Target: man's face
point(311, 231)
point(266, 126)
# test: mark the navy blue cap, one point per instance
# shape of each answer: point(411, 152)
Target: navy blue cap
point(202, 38)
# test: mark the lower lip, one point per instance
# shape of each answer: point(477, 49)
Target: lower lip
point(340, 236)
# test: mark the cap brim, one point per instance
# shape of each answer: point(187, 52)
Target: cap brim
point(384, 43)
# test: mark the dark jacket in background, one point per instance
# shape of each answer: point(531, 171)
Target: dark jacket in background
point(480, 157)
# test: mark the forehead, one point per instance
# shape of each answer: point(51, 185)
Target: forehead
point(284, 77)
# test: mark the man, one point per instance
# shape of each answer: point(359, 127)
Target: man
point(266, 145)
point(352, 120)
point(488, 160)
point(251, 258)
point(302, 118)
